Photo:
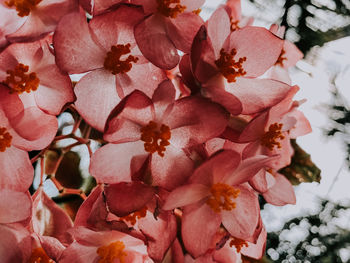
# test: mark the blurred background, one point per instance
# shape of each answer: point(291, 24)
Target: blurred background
point(317, 228)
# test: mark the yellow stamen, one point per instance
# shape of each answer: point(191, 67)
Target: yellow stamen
point(39, 256)
point(222, 195)
point(111, 252)
point(238, 243)
point(23, 7)
point(269, 139)
point(155, 139)
point(170, 8)
point(281, 58)
point(20, 81)
point(113, 62)
point(5, 139)
point(134, 216)
point(229, 67)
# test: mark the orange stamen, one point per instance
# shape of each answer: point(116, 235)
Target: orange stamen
point(234, 24)
point(23, 7)
point(238, 243)
point(281, 58)
point(229, 67)
point(222, 195)
point(155, 139)
point(269, 139)
point(5, 139)
point(111, 252)
point(39, 256)
point(197, 11)
point(20, 81)
point(134, 216)
point(170, 8)
point(113, 62)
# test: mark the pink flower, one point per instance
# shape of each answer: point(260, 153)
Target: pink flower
point(14, 207)
point(227, 65)
point(103, 247)
point(216, 194)
point(170, 25)
point(107, 49)
point(29, 20)
point(155, 131)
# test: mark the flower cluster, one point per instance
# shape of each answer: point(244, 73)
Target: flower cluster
point(194, 120)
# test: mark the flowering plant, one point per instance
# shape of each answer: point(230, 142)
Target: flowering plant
point(186, 123)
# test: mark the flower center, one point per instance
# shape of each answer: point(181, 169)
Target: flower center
point(134, 216)
point(5, 139)
point(39, 256)
point(111, 252)
point(238, 243)
point(155, 139)
point(281, 58)
point(23, 7)
point(113, 60)
point(222, 195)
point(269, 139)
point(19, 81)
point(234, 24)
point(170, 8)
point(229, 67)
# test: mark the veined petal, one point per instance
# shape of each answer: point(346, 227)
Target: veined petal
point(281, 193)
point(14, 206)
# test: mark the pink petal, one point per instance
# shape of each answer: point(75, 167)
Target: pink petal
point(125, 198)
point(257, 94)
point(241, 221)
point(248, 168)
point(262, 181)
point(16, 170)
point(255, 128)
point(172, 169)
point(183, 29)
point(14, 206)
point(155, 44)
point(9, 249)
point(134, 111)
point(293, 54)
point(199, 225)
point(75, 49)
point(194, 120)
point(302, 126)
point(49, 219)
point(186, 195)
point(55, 90)
point(235, 9)
point(99, 6)
point(186, 73)
point(79, 253)
point(281, 193)
point(218, 27)
point(258, 45)
point(110, 164)
point(116, 27)
point(163, 98)
point(96, 97)
point(257, 250)
point(192, 4)
point(159, 233)
point(52, 247)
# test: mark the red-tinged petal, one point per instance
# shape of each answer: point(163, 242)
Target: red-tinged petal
point(281, 193)
point(172, 169)
point(277, 30)
point(302, 126)
point(159, 233)
point(186, 195)
point(14, 207)
point(255, 128)
point(116, 27)
point(186, 73)
point(87, 5)
point(177, 255)
point(16, 170)
point(155, 44)
point(183, 29)
point(9, 23)
point(75, 49)
point(33, 129)
point(241, 221)
point(52, 246)
point(218, 27)
point(100, 6)
point(163, 98)
point(96, 97)
point(257, 94)
point(262, 181)
point(78, 253)
point(149, 6)
point(135, 110)
point(199, 225)
point(55, 90)
point(9, 250)
point(192, 4)
point(248, 168)
point(292, 54)
point(214, 169)
point(258, 45)
point(112, 163)
point(235, 9)
point(142, 76)
point(49, 219)
point(226, 254)
point(203, 56)
point(86, 207)
point(257, 250)
point(194, 120)
point(125, 198)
